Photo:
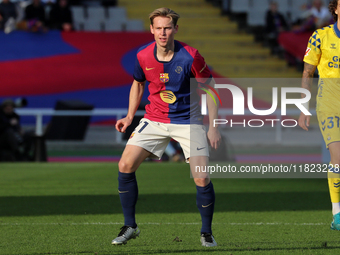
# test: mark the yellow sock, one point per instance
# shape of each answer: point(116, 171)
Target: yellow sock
point(334, 189)
point(334, 184)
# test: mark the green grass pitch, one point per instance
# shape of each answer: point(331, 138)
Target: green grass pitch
point(74, 208)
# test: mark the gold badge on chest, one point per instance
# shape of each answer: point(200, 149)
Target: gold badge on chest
point(168, 96)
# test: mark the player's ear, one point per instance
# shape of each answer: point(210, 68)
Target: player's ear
point(176, 29)
point(151, 29)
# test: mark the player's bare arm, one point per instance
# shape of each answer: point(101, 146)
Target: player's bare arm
point(307, 77)
point(214, 135)
point(136, 94)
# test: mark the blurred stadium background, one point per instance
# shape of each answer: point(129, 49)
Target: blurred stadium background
point(66, 208)
point(91, 68)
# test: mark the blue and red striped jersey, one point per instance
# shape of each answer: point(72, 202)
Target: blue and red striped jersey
point(170, 83)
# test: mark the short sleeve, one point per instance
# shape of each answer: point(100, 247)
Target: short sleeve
point(138, 73)
point(313, 51)
point(200, 69)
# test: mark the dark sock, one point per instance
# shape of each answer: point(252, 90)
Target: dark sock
point(128, 194)
point(205, 200)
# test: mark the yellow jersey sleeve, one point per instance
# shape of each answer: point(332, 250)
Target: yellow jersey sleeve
point(313, 51)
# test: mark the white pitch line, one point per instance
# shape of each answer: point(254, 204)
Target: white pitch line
point(158, 223)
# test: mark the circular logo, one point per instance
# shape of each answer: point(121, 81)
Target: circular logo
point(168, 96)
point(178, 69)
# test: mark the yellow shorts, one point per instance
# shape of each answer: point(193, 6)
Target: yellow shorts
point(155, 136)
point(329, 124)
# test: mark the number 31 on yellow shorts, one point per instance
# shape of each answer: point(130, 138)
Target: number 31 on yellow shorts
point(329, 124)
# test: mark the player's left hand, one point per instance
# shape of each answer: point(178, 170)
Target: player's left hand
point(214, 137)
point(122, 124)
point(304, 121)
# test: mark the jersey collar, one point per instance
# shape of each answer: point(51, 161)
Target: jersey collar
point(175, 51)
point(336, 29)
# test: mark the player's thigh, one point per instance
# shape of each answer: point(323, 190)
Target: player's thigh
point(131, 158)
point(329, 124)
point(192, 138)
point(152, 136)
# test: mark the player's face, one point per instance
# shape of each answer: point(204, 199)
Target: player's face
point(164, 31)
point(337, 11)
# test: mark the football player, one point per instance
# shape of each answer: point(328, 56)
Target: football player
point(167, 65)
point(323, 53)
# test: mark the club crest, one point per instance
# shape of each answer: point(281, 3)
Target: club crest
point(164, 77)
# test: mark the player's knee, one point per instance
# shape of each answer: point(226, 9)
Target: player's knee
point(335, 159)
point(335, 164)
point(201, 182)
point(125, 166)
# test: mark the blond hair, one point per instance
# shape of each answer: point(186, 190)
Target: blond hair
point(164, 12)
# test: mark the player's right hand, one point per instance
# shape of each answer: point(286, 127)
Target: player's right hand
point(304, 121)
point(122, 124)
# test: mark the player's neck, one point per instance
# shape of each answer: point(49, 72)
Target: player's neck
point(165, 53)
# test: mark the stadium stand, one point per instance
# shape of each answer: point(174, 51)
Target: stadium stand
point(239, 6)
point(91, 3)
point(284, 6)
point(252, 12)
point(134, 25)
point(95, 18)
point(93, 25)
point(251, 17)
point(257, 11)
point(116, 19)
point(117, 14)
point(99, 18)
point(96, 13)
point(78, 17)
point(228, 50)
point(296, 9)
point(114, 26)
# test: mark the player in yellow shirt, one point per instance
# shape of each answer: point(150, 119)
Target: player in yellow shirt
point(323, 52)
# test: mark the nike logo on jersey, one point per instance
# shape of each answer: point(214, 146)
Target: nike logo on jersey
point(204, 206)
point(200, 148)
point(123, 191)
point(148, 69)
